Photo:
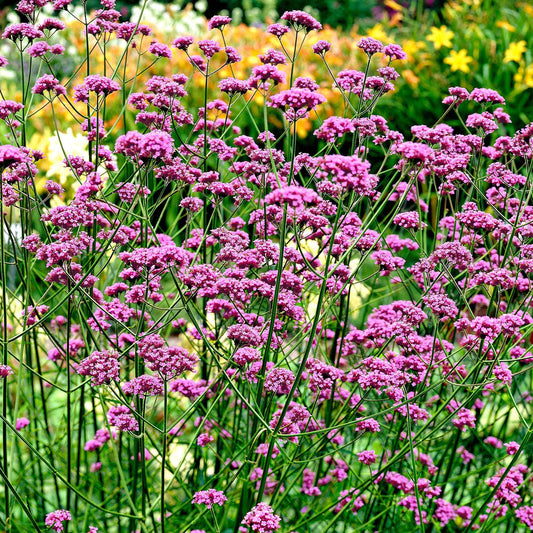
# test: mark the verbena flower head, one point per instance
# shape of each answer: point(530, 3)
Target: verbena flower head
point(153, 145)
point(233, 86)
point(273, 57)
point(100, 85)
point(48, 84)
point(394, 51)
point(5, 371)
point(39, 49)
point(370, 46)
point(218, 22)
point(209, 498)
point(10, 155)
point(183, 43)
point(262, 519)
point(486, 96)
point(300, 20)
point(22, 31)
point(209, 47)
point(297, 102)
point(160, 50)
point(55, 519)
point(21, 423)
point(102, 367)
point(262, 74)
point(232, 55)
point(278, 29)
point(51, 24)
point(321, 47)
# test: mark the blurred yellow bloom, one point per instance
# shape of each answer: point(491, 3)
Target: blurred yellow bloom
point(303, 127)
point(452, 8)
point(391, 4)
point(528, 8)
point(411, 47)
point(504, 25)
point(515, 51)
point(524, 76)
point(441, 37)
point(410, 77)
point(378, 33)
point(459, 60)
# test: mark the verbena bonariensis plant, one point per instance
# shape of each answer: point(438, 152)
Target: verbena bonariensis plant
point(327, 342)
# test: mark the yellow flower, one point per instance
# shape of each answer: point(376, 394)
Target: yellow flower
point(526, 7)
point(410, 77)
point(411, 47)
point(515, 51)
point(377, 33)
point(396, 16)
point(441, 37)
point(303, 127)
point(391, 4)
point(452, 8)
point(459, 60)
point(524, 76)
point(504, 25)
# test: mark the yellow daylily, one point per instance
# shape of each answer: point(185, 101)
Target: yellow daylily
point(504, 25)
point(391, 4)
point(410, 77)
point(397, 12)
point(378, 33)
point(515, 51)
point(459, 60)
point(411, 47)
point(441, 37)
point(526, 7)
point(524, 76)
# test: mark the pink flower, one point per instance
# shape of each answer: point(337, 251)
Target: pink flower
point(204, 439)
point(279, 381)
point(394, 51)
point(39, 49)
point(209, 498)
point(367, 457)
point(370, 46)
point(486, 96)
point(368, 425)
point(409, 220)
point(48, 83)
point(5, 371)
point(502, 373)
point(278, 30)
point(160, 50)
point(209, 47)
point(233, 86)
point(321, 47)
point(55, 519)
point(512, 447)
point(22, 31)
point(273, 57)
point(218, 22)
point(301, 20)
point(102, 367)
point(182, 43)
point(21, 423)
point(262, 519)
point(142, 386)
